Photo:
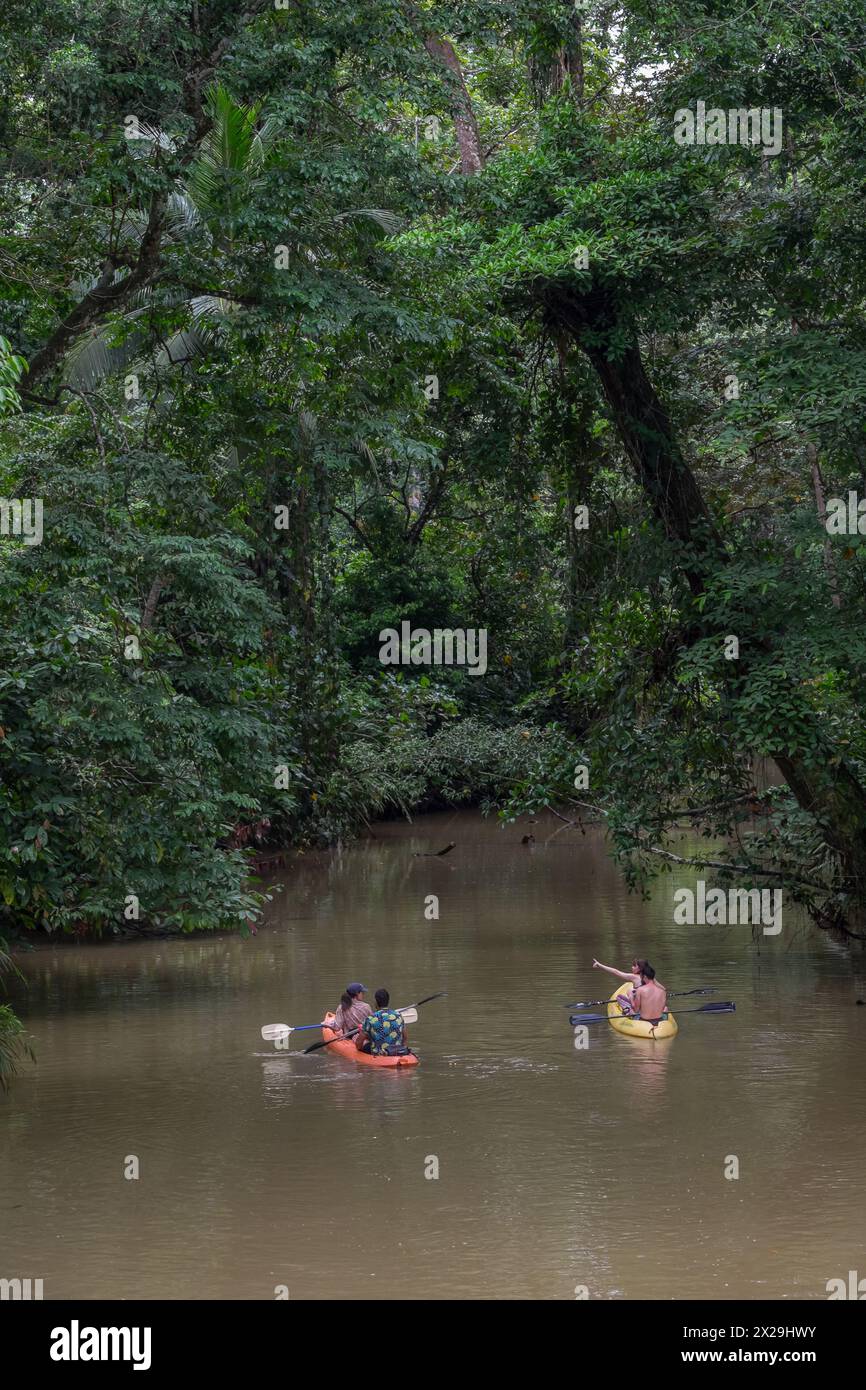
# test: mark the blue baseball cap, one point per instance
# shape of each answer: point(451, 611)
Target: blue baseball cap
point(356, 989)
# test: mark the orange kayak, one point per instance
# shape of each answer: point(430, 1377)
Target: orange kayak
point(348, 1049)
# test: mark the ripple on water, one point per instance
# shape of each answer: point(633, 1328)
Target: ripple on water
point(494, 1066)
point(281, 1073)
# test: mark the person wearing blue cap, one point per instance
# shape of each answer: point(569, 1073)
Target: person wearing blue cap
point(352, 1009)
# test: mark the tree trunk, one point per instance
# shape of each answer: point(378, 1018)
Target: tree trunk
point(107, 295)
point(579, 455)
point(821, 782)
point(149, 610)
point(548, 74)
point(648, 438)
point(644, 428)
point(465, 124)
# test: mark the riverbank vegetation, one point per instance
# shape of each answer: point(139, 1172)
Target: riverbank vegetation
point(321, 318)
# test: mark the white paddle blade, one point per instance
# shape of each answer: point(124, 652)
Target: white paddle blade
point(409, 1015)
point(272, 1032)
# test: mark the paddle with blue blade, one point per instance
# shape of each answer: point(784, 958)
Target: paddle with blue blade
point(728, 1007)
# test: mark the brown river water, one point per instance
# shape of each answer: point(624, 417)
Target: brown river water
point(558, 1169)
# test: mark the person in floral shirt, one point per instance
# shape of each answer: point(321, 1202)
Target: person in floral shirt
point(383, 1033)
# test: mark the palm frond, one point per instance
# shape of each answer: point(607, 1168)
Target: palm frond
point(308, 431)
point(109, 348)
point(150, 135)
point(96, 356)
point(212, 306)
point(181, 213)
point(388, 221)
point(182, 347)
point(232, 151)
point(209, 315)
point(265, 142)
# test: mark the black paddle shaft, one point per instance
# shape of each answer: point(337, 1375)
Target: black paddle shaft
point(672, 994)
point(716, 1008)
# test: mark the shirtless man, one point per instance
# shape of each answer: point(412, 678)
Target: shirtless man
point(650, 999)
point(641, 972)
point(634, 974)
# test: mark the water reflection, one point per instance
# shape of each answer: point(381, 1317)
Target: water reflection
point(258, 1165)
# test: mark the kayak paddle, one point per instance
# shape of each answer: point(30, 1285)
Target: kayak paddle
point(672, 994)
point(405, 1012)
point(716, 1008)
point(275, 1032)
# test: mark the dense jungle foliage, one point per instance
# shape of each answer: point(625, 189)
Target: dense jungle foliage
point(321, 317)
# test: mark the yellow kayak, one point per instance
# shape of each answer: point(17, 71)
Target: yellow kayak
point(637, 1027)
